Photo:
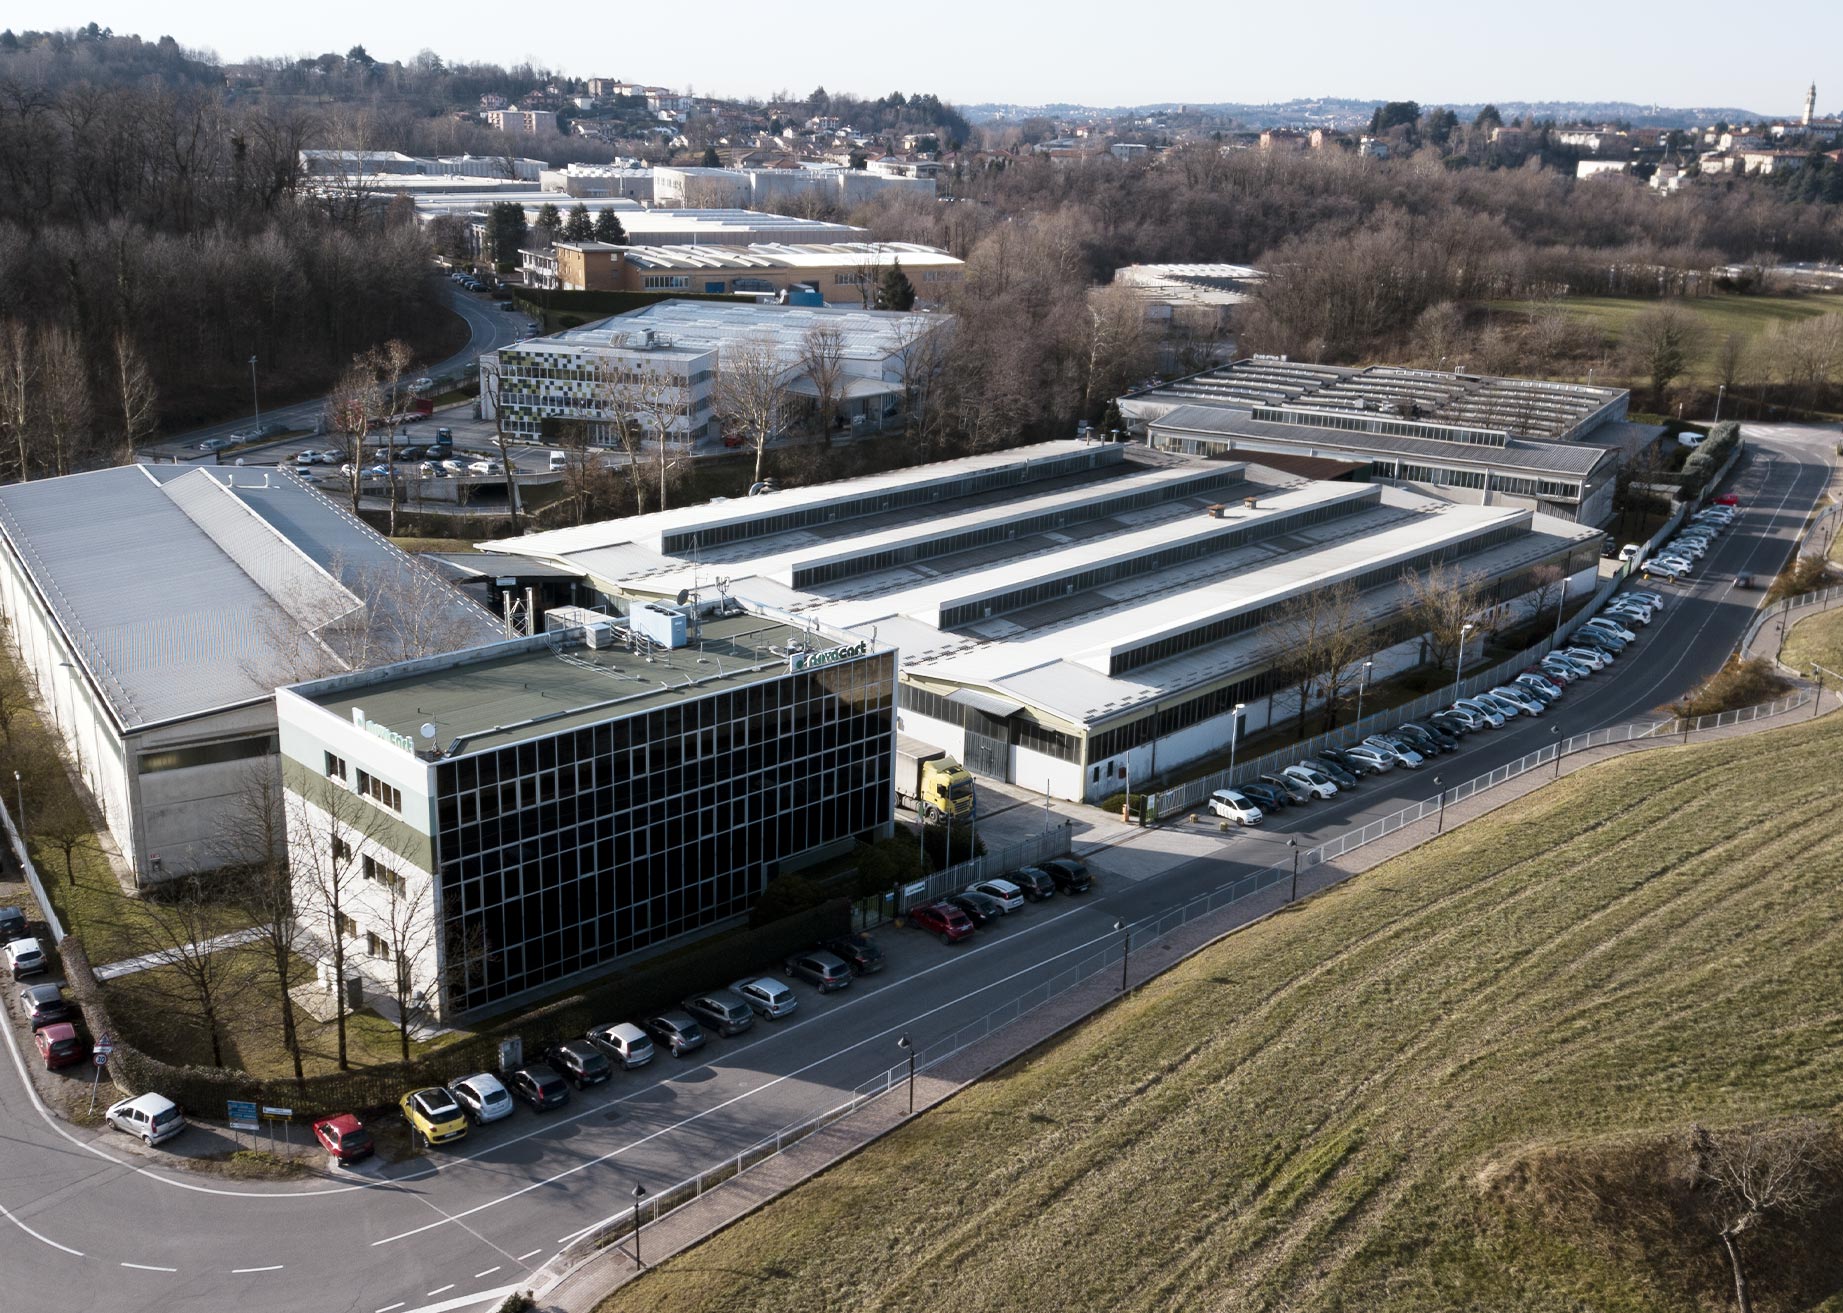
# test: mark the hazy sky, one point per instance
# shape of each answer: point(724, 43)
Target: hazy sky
point(1689, 53)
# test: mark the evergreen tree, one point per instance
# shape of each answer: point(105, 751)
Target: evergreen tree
point(711, 159)
point(894, 290)
point(550, 220)
point(608, 229)
point(580, 228)
point(505, 233)
point(1488, 117)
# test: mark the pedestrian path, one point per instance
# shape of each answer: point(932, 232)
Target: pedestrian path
point(128, 966)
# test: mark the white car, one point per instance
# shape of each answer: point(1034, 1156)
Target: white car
point(1524, 700)
point(1631, 614)
point(1612, 627)
point(454, 467)
point(482, 1098)
point(1591, 657)
point(1009, 896)
point(1542, 686)
point(1559, 670)
point(1653, 600)
point(485, 467)
point(1233, 805)
point(624, 1042)
point(1401, 752)
point(26, 957)
point(1630, 552)
point(152, 1117)
point(1508, 708)
point(1490, 713)
point(1321, 785)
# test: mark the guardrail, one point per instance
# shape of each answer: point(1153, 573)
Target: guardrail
point(18, 844)
point(1115, 955)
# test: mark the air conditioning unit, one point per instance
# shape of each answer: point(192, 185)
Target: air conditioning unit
point(599, 636)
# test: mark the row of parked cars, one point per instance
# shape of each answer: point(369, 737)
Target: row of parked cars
point(957, 916)
point(441, 1115)
point(1679, 558)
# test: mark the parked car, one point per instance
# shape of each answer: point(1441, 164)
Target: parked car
point(1374, 759)
point(345, 1138)
point(1034, 881)
point(1269, 799)
point(482, 1098)
point(1526, 701)
point(26, 957)
point(1596, 659)
point(61, 1045)
point(1457, 722)
point(1341, 775)
point(1402, 753)
point(219, 444)
point(826, 971)
point(1234, 805)
point(1508, 708)
point(943, 919)
point(580, 1062)
point(1317, 783)
point(1612, 627)
point(13, 925)
point(153, 1117)
point(1541, 685)
point(1609, 643)
point(859, 952)
point(433, 1116)
point(1009, 896)
point(1342, 757)
point(1420, 740)
point(766, 996)
point(1446, 738)
point(331, 457)
point(623, 1041)
point(676, 1032)
point(1556, 669)
point(722, 1010)
point(485, 467)
point(539, 1087)
point(982, 910)
point(1665, 571)
point(1295, 790)
point(1630, 552)
point(1630, 613)
point(45, 1005)
point(1728, 499)
point(1492, 715)
point(1070, 874)
point(454, 467)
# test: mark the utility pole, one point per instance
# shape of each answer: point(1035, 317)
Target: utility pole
point(255, 401)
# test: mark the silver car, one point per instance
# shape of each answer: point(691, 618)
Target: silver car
point(723, 1010)
point(767, 996)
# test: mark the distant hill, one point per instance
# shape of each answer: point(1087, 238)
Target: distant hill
point(1339, 112)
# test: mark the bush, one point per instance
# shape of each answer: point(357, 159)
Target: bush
point(786, 895)
point(965, 847)
point(1803, 575)
point(885, 865)
point(1737, 684)
point(519, 1301)
point(1112, 803)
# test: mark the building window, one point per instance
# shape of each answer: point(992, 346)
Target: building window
point(665, 282)
point(377, 946)
point(376, 870)
point(335, 768)
point(348, 928)
point(342, 851)
point(385, 795)
point(206, 754)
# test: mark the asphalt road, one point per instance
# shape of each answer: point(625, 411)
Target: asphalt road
point(98, 1214)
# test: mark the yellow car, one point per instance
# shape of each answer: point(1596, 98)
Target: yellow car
point(433, 1115)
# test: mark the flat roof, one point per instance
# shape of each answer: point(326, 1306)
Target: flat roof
point(781, 255)
point(534, 687)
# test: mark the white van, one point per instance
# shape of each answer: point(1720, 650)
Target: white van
point(153, 1117)
point(559, 460)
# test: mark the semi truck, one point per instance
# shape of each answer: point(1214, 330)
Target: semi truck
point(932, 782)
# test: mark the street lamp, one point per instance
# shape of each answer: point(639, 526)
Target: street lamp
point(1126, 949)
point(639, 1194)
point(1720, 392)
point(1362, 683)
point(1234, 733)
point(20, 786)
point(908, 1046)
point(1293, 894)
point(1555, 732)
point(1440, 824)
point(1818, 672)
point(1459, 661)
point(255, 401)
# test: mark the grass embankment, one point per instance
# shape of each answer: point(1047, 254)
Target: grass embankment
point(1345, 1107)
point(1720, 315)
point(1819, 639)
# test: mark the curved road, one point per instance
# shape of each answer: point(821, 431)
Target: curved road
point(97, 1213)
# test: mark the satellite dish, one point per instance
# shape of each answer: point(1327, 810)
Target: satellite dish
point(428, 729)
point(684, 595)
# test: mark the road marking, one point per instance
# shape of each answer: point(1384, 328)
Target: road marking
point(46, 1239)
point(239, 1271)
point(462, 1301)
point(489, 1272)
point(143, 1267)
point(439, 1289)
point(388, 1307)
point(522, 1257)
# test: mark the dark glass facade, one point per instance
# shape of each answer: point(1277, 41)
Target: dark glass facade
point(563, 853)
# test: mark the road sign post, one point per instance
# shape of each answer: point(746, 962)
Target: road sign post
point(242, 1114)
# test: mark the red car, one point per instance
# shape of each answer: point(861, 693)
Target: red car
point(61, 1046)
point(1727, 499)
point(943, 919)
point(344, 1137)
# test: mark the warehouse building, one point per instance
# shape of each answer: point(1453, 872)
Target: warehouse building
point(504, 819)
point(1070, 614)
point(840, 273)
point(1549, 447)
point(157, 607)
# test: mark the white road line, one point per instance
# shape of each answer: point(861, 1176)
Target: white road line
point(522, 1257)
point(143, 1267)
point(46, 1239)
point(239, 1271)
point(439, 1289)
point(489, 1272)
point(388, 1307)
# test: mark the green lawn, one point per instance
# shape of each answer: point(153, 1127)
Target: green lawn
point(1345, 1107)
point(1720, 315)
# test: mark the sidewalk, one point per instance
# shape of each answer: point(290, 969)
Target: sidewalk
point(128, 966)
point(582, 1289)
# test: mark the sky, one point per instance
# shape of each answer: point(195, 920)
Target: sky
point(1082, 52)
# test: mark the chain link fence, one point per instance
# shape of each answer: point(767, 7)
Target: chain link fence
point(1053, 842)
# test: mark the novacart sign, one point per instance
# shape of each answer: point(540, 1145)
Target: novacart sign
point(807, 660)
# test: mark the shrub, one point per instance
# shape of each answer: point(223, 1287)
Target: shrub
point(786, 895)
point(1802, 575)
point(965, 846)
point(519, 1301)
point(1737, 684)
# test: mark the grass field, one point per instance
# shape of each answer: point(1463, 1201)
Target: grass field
point(1816, 638)
point(1720, 315)
point(1324, 1111)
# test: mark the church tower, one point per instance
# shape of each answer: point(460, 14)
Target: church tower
point(1810, 104)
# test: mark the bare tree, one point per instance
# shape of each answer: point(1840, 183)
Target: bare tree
point(1756, 1174)
point(661, 406)
point(1731, 360)
point(1660, 344)
point(1321, 638)
point(922, 348)
point(1546, 586)
point(391, 361)
point(1119, 347)
point(328, 824)
point(822, 359)
point(409, 931)
point(750, 393)
point(19, 386)
point(492, 391)
point(1441, 604)
point(65, 389)
point(183, 918)
point(136, 399)
point(62, 823)
point(352, 407)
point(610, 400)
point(251, 842)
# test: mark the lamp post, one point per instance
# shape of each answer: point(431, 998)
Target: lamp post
point(1560, 605)
point(639, 1194)
point(1459, 661)
point(1555, 732)
point(1362, 683)
point(1818, 672)
point(1126, 949)
point(1440, 824)
point(1292, 895)
point(1720, 392)
point(908, 1046)
point(1234, 734)
point(19, 785)
point(255, 401)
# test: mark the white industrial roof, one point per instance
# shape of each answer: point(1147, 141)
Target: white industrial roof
point(783, 255)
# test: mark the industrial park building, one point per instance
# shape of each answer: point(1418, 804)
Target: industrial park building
point(841, 273)
point(503, 819)
point(1070, 614)
point(1550, 447)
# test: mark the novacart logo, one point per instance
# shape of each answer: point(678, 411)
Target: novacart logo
point(831, 656)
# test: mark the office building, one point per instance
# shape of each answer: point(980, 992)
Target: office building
point(840, 273)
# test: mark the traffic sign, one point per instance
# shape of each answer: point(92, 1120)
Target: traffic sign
point(276, 1114)
point(242, 1114)
point(103, 1050)
point(100, 1058)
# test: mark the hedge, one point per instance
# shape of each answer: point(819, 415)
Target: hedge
point(644, 987)
point(1709, 457)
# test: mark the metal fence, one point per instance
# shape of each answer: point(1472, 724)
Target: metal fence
point(18, 845)
point(1053, 842)
point(1781, 613)
point(1113, 955)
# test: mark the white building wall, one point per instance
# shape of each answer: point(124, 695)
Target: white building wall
point(1031, 769)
